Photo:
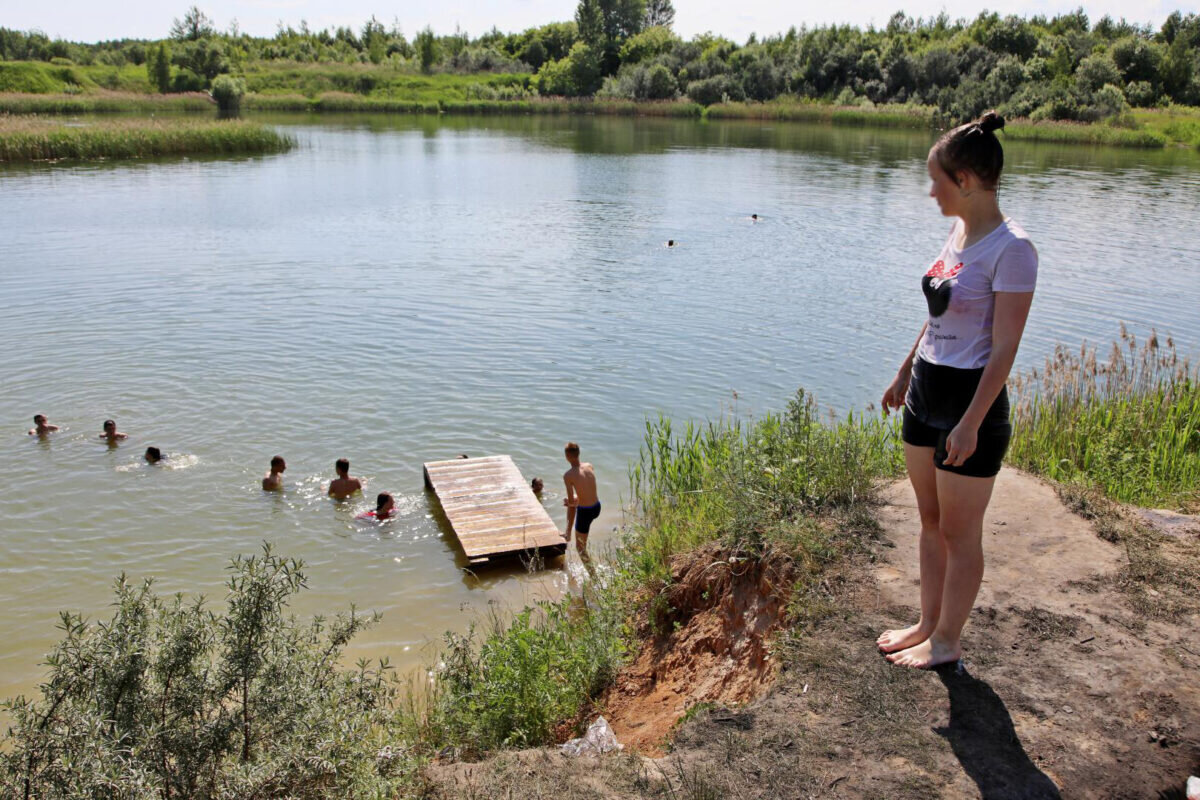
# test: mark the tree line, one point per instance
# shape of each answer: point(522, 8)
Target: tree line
point(1062, 68)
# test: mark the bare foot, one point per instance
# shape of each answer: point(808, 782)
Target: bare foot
point(893, 641)
point(927, 655)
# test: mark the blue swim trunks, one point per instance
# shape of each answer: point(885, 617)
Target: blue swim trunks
point(585, 516)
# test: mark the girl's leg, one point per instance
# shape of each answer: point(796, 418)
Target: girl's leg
point(922, 475)
point(963, 501)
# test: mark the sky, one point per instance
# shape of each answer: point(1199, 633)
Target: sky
point(90, 21)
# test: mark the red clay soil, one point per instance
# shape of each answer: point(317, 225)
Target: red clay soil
point(716, 616)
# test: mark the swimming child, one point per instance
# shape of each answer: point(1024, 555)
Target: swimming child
point(536, 485)
point(582, 500)
point(343, 485)
point(273, 481)
point(111, 433)
point(42, 426)
point(153, 455)
point(385, 508)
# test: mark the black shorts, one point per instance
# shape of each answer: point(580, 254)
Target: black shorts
point(585, 516)
point(937, 398)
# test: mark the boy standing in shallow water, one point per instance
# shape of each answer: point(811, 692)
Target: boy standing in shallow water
point(43, 427)
point(582, 500)
point(344, 484)
point(274, 479)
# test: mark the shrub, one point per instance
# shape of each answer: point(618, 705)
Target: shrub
point(717, 89)
point(169, 699)
point(577, 74)
point(228, 92)
point(1095, 71)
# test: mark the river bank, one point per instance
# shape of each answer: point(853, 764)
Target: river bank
point(1147, 128)
point(31, 138)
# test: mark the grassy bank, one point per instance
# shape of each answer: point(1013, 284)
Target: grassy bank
point(1081, 133)
point(104, 102)
point(39, 139)
point(1127, 424)
point(1179, 124)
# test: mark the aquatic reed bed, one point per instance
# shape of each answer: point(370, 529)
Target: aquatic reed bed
point(38, 139)
point(919, 117)
point(103, 102)
point(1080, 133)
point(1128, 425)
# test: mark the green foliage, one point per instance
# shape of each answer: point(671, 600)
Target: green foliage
point(660, 14)
point(169, 699)
point(1129, 425)
point(648, 44)
point(511, 686)
point(577, 74)
point(34, 139)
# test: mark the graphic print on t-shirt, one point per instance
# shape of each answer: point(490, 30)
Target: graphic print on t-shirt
point(937, 285)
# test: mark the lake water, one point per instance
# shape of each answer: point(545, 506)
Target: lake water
point(403, 289)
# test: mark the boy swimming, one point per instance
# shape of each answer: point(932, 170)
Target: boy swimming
point(344, 484)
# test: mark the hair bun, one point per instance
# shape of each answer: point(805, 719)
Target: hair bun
point(991, 121)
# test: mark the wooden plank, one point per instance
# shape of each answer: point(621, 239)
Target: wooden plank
point(491, 508)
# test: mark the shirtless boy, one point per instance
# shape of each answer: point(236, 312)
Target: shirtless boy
point(111, 433)
point(344, 484)
point(274, 479)
point(43, 427)
point(582, 501)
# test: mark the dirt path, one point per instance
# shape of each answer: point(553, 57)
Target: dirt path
point(1067, 691)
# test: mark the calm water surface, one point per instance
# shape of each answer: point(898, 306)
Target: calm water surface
point(402, 289)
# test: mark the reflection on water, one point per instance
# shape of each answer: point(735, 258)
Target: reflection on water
point(403, 289)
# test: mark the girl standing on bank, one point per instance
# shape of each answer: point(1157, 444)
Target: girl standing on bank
point(951, 386)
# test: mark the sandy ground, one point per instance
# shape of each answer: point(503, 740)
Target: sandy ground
point(1071, 685)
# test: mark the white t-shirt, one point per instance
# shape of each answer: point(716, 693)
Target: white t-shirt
point(960, 289)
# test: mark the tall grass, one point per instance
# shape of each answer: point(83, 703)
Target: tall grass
point(1082, 133)
point(102, 102)
point(1178, 123)
point(885, 116)
point(35, 139)
point(1129, 425)
point(745, 483)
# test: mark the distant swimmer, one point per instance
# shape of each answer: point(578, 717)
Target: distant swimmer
point(344, 484)
point(42, 427)
point(536, 485)
point(463, 455)
point(274, 479)
point(754, 217)
point(582, 500)
point(385, 508)
point(111, 433)
point(153, 455)
point(670, 242)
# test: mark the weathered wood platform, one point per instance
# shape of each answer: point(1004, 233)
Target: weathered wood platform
point(491, 508)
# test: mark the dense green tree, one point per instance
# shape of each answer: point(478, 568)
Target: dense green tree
point(606, 24)
point(427, 49)
point(159, 68)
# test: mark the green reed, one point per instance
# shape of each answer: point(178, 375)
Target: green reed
point(920, 117)
point(37, 139)
point(103, 102)
point(1129, 425)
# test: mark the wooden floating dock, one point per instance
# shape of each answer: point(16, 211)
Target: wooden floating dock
point(492, 509)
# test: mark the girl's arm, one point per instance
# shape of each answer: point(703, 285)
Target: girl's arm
point(893, 396)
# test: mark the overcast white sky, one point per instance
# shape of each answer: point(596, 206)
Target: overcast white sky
point(88, 21)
